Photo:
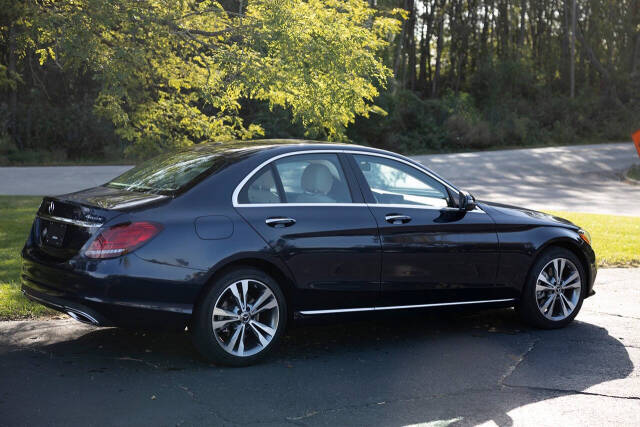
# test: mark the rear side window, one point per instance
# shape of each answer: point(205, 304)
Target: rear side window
point(261, 188)
point(304, 178)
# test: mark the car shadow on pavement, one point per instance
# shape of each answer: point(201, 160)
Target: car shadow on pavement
point(392, 369)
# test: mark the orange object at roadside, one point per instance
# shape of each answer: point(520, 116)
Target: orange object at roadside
point(636, 140)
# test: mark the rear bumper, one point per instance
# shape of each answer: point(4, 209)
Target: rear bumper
point(127, 291)
point(78, 311)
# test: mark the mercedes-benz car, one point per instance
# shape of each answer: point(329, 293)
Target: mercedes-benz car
point(233, 240)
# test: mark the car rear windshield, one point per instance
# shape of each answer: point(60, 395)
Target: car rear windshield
point(169, 173)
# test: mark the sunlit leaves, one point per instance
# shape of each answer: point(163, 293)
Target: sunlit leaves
point(174, 72)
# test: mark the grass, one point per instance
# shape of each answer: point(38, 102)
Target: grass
point(616, 240)
point(16, 216)
point(634, 172)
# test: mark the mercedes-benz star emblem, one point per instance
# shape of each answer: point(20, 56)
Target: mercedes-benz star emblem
point(51, 207)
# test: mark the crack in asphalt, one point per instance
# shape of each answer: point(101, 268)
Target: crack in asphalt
point(212, 411)
point(132, 359)
point(512, 368)
point(572, 391)
point(612, 314)
point(297, 420)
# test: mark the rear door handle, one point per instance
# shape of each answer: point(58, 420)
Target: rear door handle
point(397, 218)
point(279, 222)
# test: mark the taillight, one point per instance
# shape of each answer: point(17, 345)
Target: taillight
point(121, 239)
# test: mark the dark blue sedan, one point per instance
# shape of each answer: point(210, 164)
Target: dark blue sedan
point(233, 240)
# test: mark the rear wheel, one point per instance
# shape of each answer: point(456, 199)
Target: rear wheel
point(240, 319)
point(554, 291)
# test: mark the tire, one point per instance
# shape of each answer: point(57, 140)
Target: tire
point(240, 337)
point(543, 305)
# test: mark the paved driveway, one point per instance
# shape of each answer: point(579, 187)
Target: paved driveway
point(582, 178)
point(460, 368)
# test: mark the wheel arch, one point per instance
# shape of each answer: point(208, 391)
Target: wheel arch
point(278, 272)
point(569, 244)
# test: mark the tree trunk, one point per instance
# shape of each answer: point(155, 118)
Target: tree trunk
point(423, 47)
point(606, 76)
point(572, 51)
point(410, 46)
point(635, 62)
point(523, 22)
point(503, 29)
point(13, 91)
point(436, 76)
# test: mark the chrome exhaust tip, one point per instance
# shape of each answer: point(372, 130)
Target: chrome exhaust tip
point(83, 317)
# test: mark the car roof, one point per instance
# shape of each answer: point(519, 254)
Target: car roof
point(278, 145)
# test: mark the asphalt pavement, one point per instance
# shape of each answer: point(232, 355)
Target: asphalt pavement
point(435, 368)
point(581, 178)
point(432, 368)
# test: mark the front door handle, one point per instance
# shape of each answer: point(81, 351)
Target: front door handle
point(279, 222)
point(397, 218)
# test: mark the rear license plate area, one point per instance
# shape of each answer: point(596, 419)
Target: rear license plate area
point(53, 234)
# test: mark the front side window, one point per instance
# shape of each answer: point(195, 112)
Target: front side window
point(396, 183)
point(303, 178)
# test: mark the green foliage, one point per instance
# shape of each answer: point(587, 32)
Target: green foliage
point(410, 125)
point(175, 73)
point(634, 172)
point(88, 78)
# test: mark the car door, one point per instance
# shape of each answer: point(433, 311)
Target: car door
point(309, 211)
point(432, 252)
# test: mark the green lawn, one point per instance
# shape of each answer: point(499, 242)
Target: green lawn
point(616, 240)
point(16, 216)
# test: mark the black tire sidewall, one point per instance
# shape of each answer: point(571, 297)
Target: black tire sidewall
point(528, 307)
point(202, 334)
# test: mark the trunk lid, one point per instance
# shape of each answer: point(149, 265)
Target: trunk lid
point(65, 223)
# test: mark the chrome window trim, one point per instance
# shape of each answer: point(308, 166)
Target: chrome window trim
point(403, 206)
point(77, 222)
point(274, 205)
point(403, 307)
point(346, 205)
point(236, 191)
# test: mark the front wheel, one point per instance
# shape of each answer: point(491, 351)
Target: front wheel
point(240, 319)
point(554, 291)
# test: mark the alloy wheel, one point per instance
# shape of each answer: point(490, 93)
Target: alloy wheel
point(558, 289)
point(245, 317)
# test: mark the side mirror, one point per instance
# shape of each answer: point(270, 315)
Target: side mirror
point(466, 202)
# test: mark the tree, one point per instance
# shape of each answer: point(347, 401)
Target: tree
point(173, 73)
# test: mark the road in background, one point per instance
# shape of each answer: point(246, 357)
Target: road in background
point(579, 178)
point(583, 178)
point(440, 368)
point(51, 180)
